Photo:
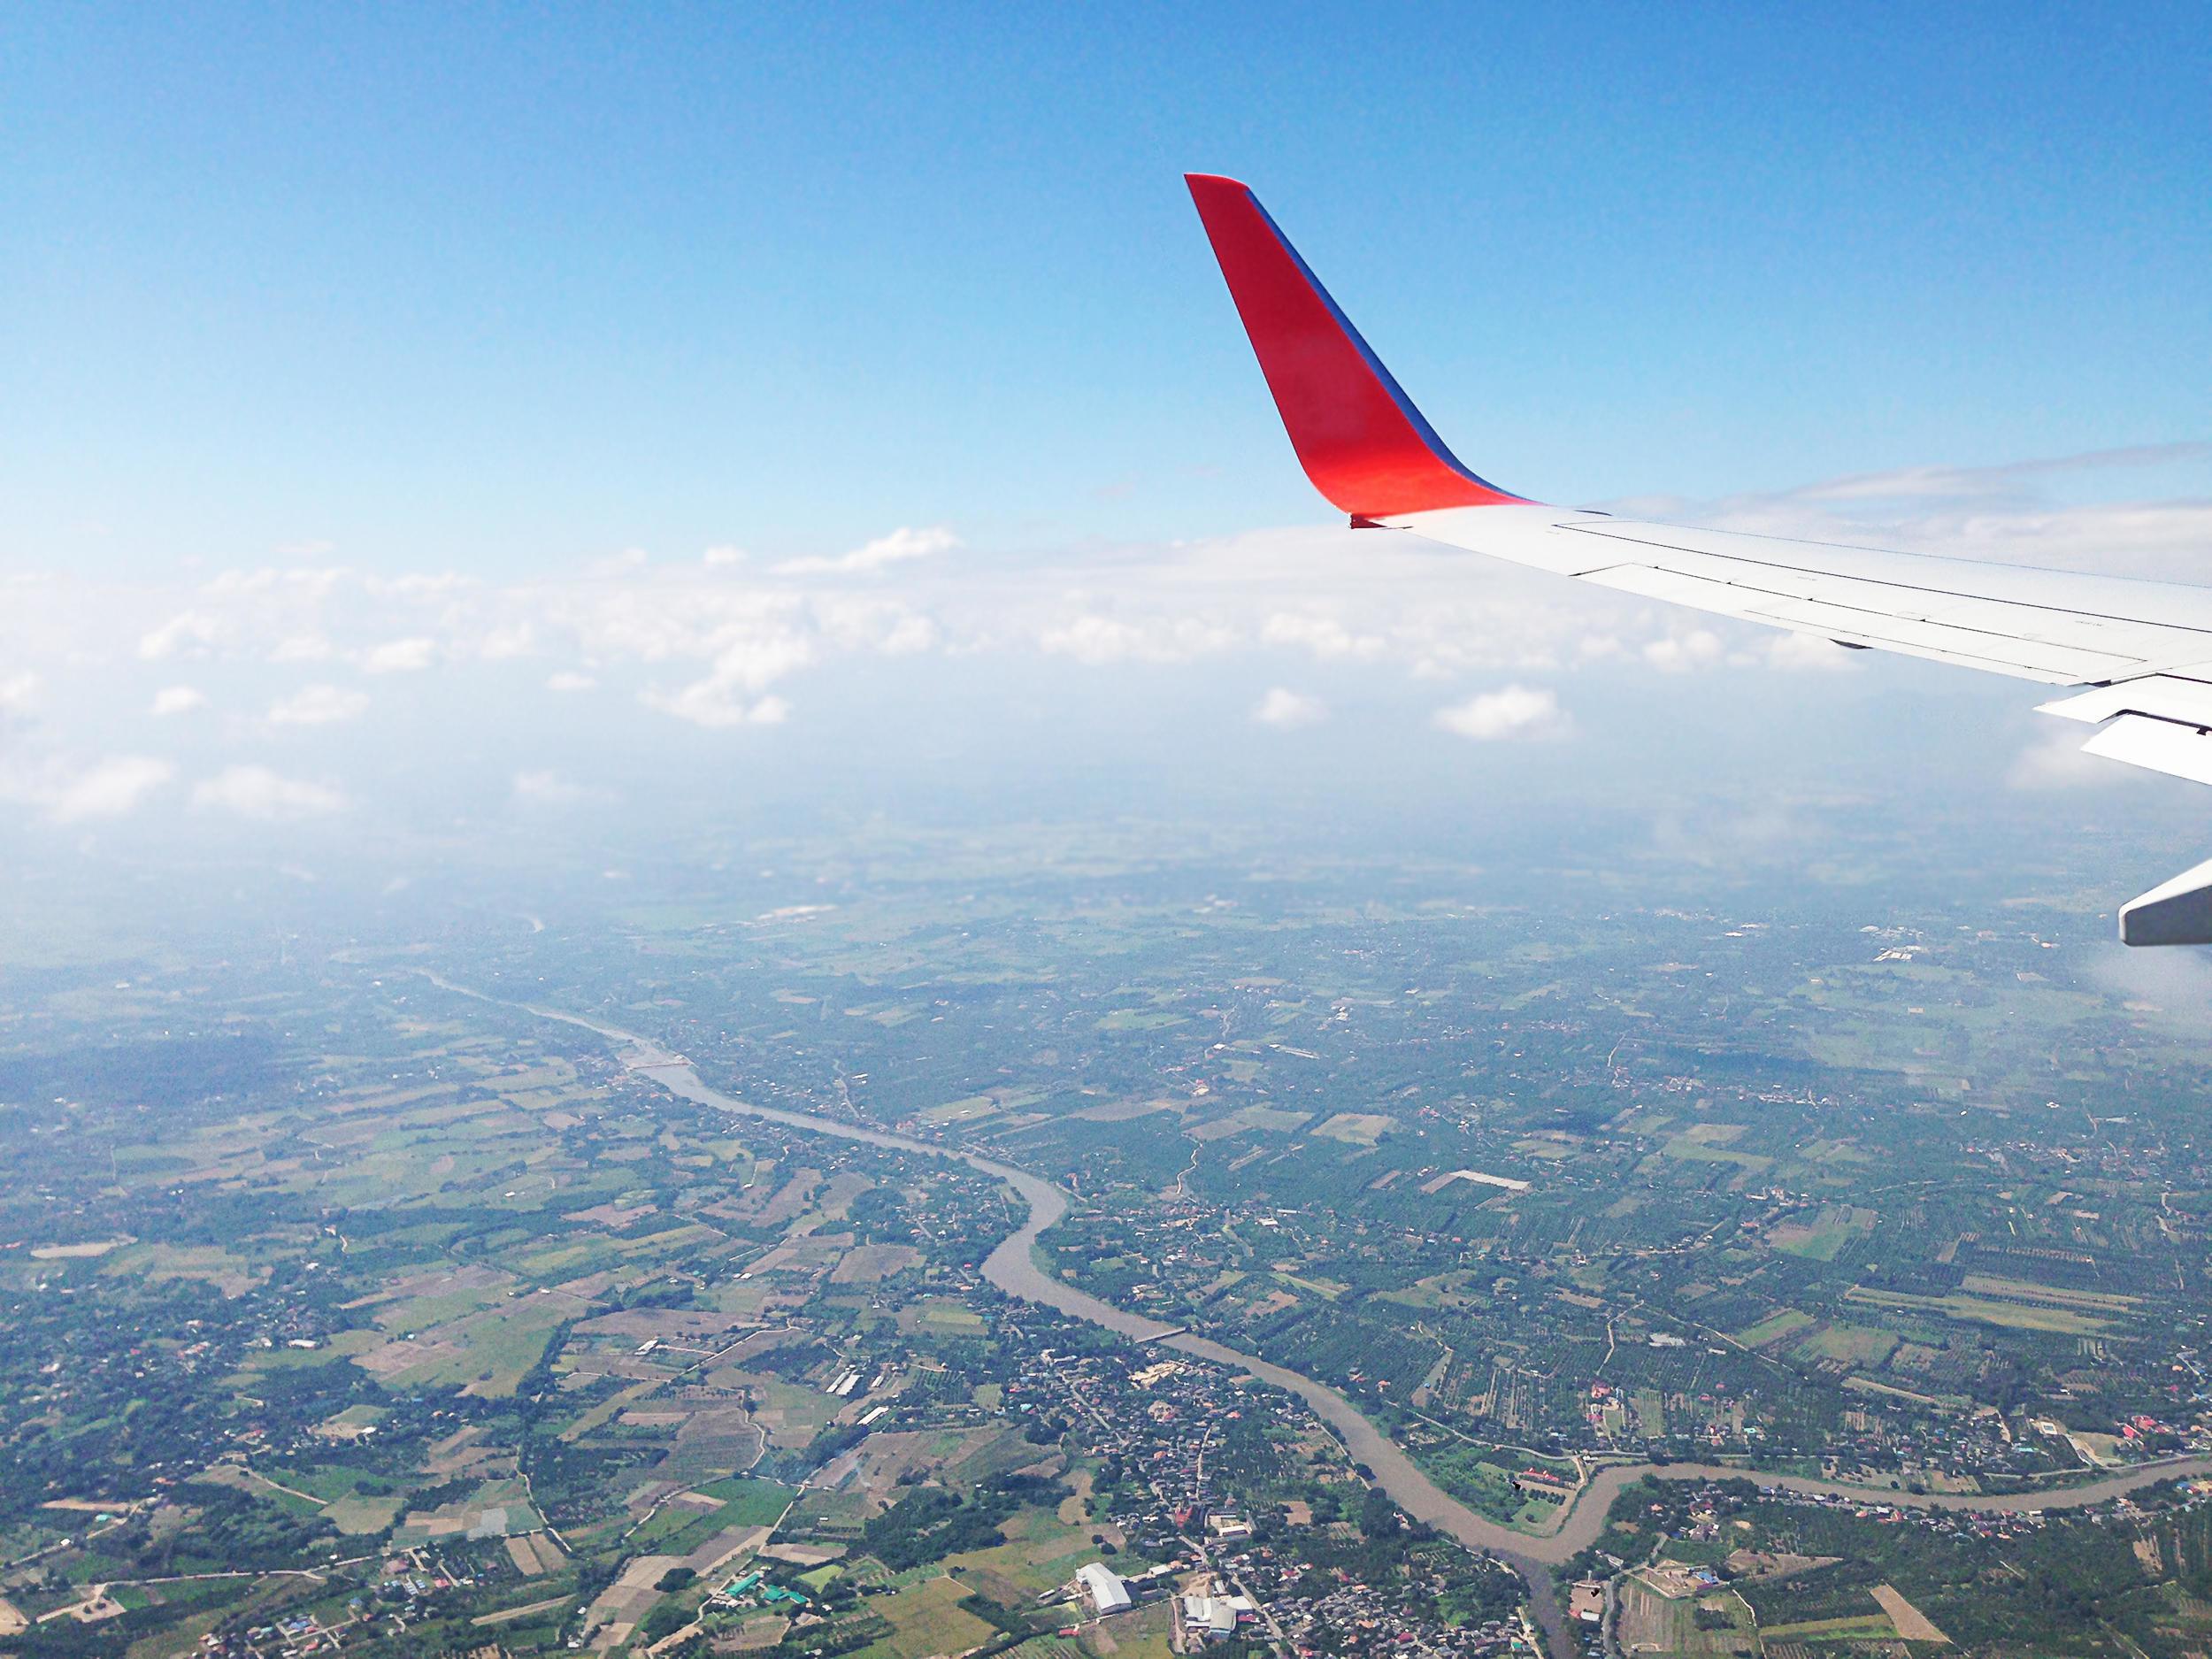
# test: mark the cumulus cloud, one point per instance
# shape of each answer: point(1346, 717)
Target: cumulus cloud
point(110, 789)
point(18, 692)
point(1515, 711)
point(174, 700)
point(1097, 640)
point(256, 792)
point(400, 656)
point(902, 545)
point(187, 631)
point(1679, 653)
point(1324, 636)
point(1287, 709)
point(717, 644)
point(715, 706)
point(744, 668)
point(317, 705)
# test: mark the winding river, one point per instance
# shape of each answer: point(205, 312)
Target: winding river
point(1012, 1267)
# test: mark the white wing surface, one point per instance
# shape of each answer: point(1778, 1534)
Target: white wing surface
point(2138, 653)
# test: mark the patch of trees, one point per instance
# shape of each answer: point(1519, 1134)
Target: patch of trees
point(930, 1522)
point(236, 1532)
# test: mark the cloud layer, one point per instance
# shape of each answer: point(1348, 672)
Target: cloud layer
point(720, 645)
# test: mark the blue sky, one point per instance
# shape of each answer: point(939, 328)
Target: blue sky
point(497, 289)
point(429, 418)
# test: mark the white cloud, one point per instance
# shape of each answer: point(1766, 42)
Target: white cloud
point(2001, 513)
point(256, 792)
point(173, 700)
point(507, 641)
point(1324, 636)
point(908, 636)
point(1099, 640)
point(1515, 711)
point(110, 789)
point(717, 706)
point(1094, 640)
point(400, 656)
point(317, 705)
point(900, 546)
point(745, 667)
point(713, 636)
point(1679, 653)
point(1287, 709)
point(1809, 652)
point(2055, 762)
point(189, 631)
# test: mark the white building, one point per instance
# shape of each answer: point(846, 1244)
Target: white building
point(1102, 1588)
point(1209, 1617)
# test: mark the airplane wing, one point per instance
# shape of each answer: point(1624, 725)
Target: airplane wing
point(2137, 654)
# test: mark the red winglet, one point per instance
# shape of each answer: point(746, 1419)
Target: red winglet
point(1357, 434)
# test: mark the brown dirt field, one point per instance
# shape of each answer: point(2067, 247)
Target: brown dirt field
point(394, 1357)
point(805, 1555)
point(1759, 1564)
point(78, 1252)
point(764, 1631)
point(1912, 1624)
point(458, 1452)
point(625, 1601)
point(508, 1615)
point(1644, 1624)
point(763, 1207)
point(714, 1440)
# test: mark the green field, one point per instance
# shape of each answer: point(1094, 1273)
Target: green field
point(1977, 1310)
point(1774, 1327)
point(1854, 1344)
